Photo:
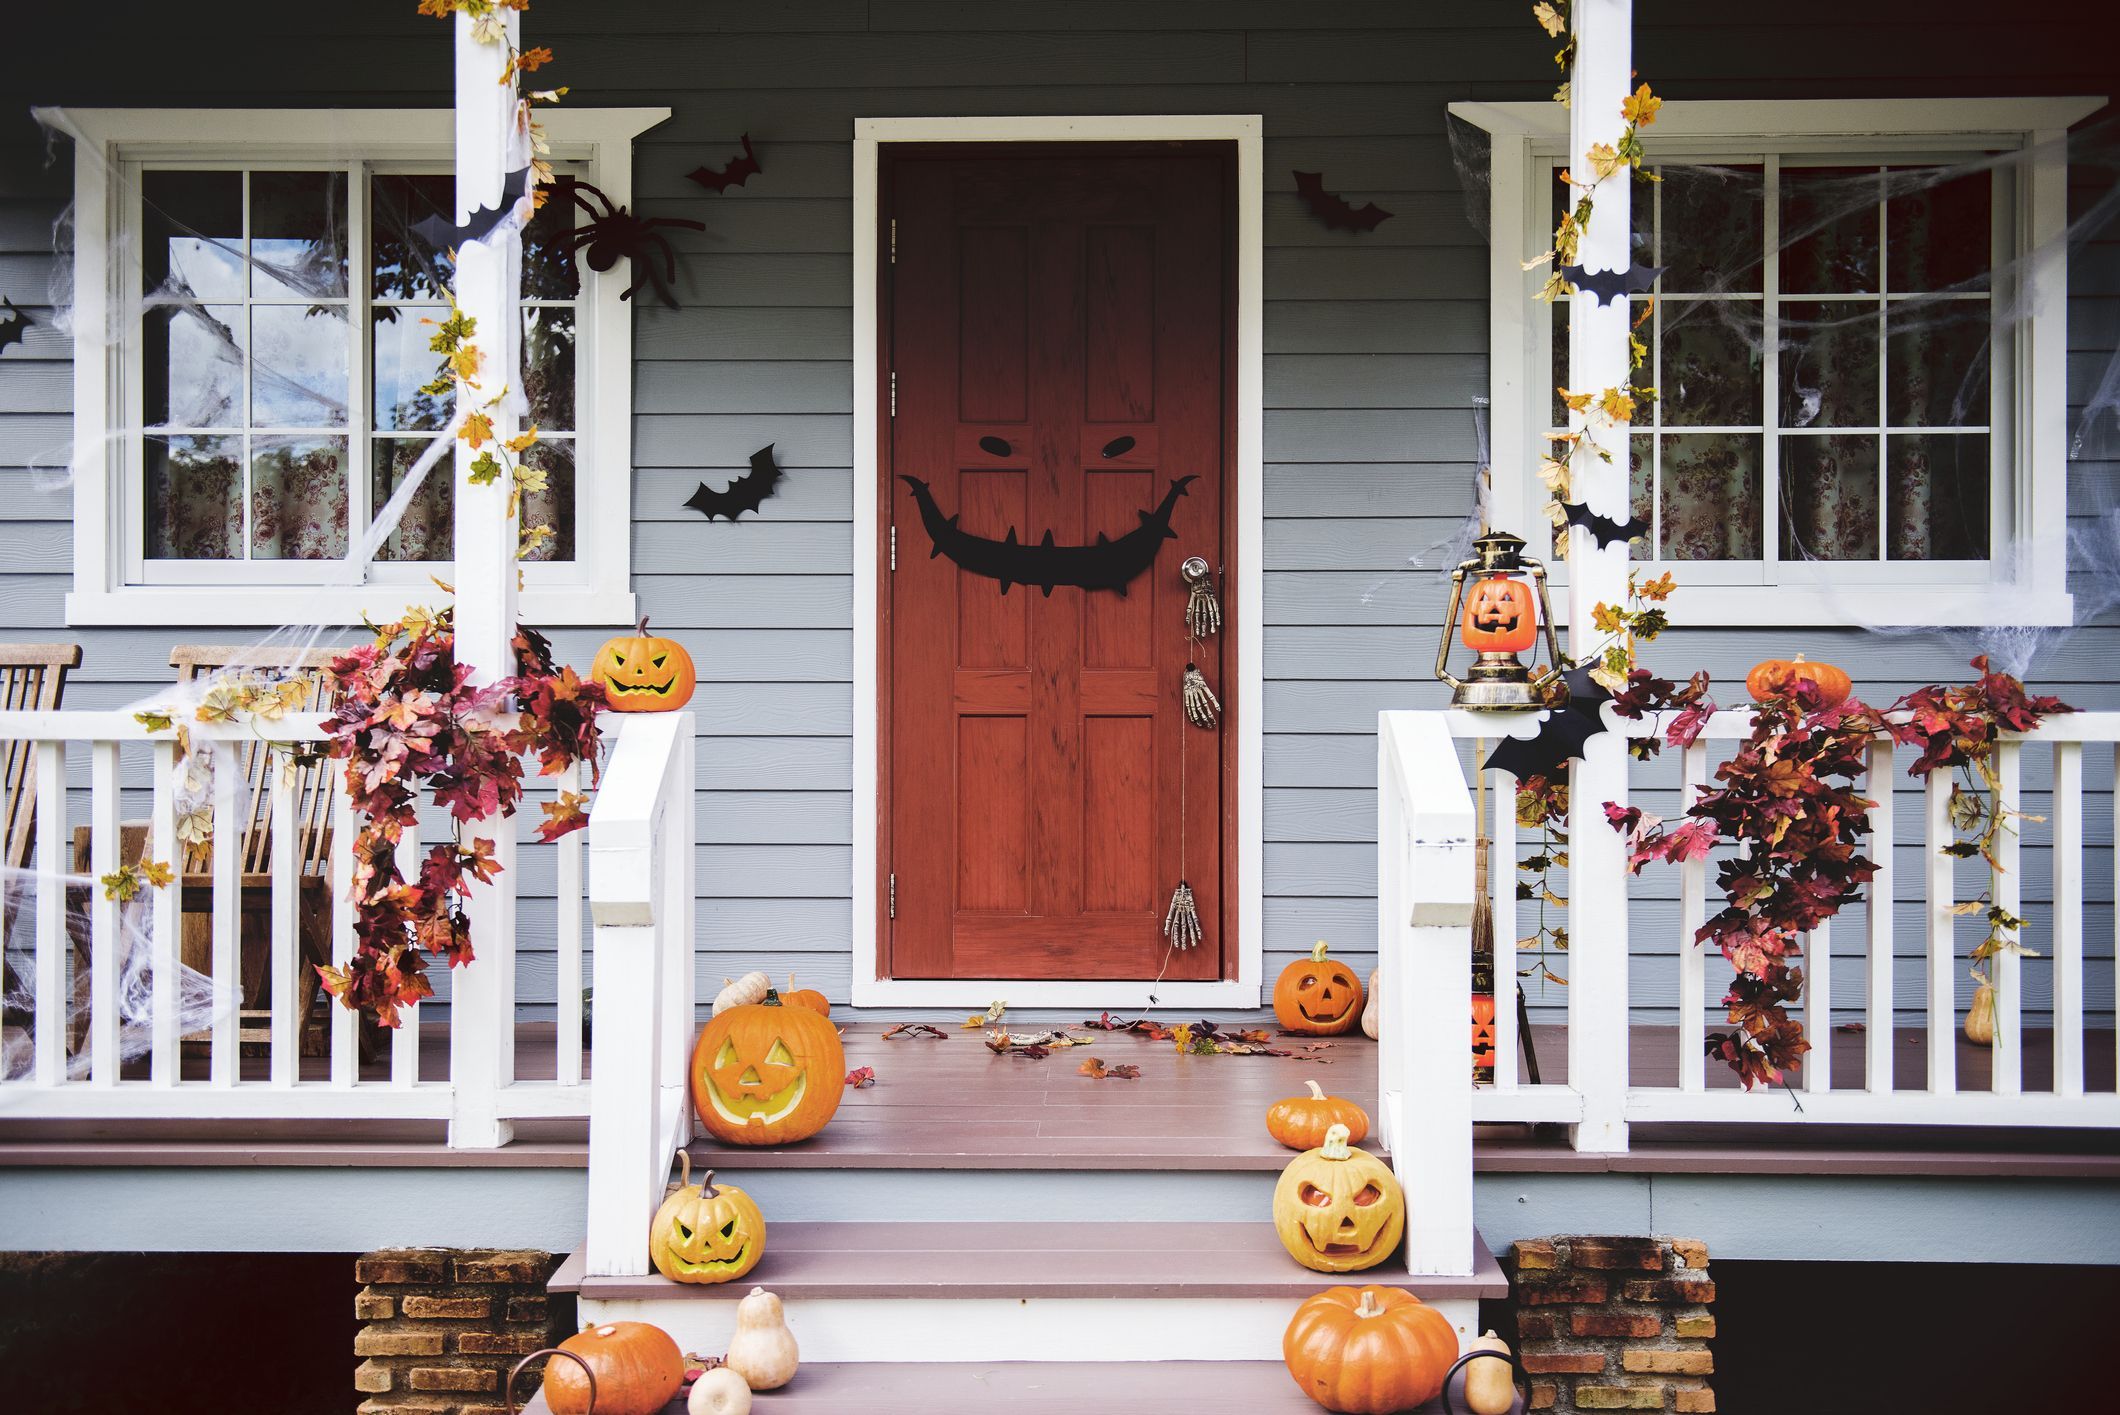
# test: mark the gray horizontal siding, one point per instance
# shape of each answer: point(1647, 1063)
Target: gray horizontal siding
point(1376, 346)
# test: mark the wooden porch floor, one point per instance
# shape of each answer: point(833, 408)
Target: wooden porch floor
point(952, 1104)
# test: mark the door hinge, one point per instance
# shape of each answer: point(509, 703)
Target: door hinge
point(894, 547)
point(894, 895)
point(894, 393)
point(894, 240)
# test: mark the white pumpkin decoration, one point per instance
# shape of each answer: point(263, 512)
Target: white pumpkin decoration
point(719, 1392)
point(763, 1350)
point(742, 992)
point(1372, 1008)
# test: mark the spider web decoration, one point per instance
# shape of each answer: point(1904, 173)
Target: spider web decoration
point(746, 493)
point(446, 235)
point(734, 173)
point(614, 232)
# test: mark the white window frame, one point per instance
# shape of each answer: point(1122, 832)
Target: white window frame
point(110, 147)
point(2026, 584)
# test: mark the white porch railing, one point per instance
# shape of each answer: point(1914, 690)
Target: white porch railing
point(102, 1071)
point(640, 896)
point(1425, 868)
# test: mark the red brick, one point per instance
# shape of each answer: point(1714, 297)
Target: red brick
point(370, 1305)
point(1555, 1288)
point(1590, 1322)
point(1648, 1397)
point(1528, 1253)
point(1537, 1326)
point(453, 1378)
point(1690, 1251)
point(1664, 1289)
point(495, 1343)
point(1695, 1326)
point(371, 1377)
point(410, 1405)
point(1669, 1363)
point(458, 1308)
point(1544, 1395)
point(1563, 1363)
point(526, 1309)
point(401, 1265)
point(1606, 1254)
point(396, 1341)
point(480, 1407)
point(1694, 1402)
point(516, 1268)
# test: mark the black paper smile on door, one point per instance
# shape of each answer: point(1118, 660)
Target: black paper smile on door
point(1105, 565)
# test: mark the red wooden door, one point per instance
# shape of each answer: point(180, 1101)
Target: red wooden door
point(1059, 325)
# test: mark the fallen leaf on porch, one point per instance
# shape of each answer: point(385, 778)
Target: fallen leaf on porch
point(862, 1077)
point(994, 1013)
point(1851, 1027)
point(1031, 1044)
point(1097, 1070)
point(914, 1029)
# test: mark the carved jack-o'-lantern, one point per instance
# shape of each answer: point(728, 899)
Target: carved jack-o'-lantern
point(1501, 616)
point(1483, 1032)
point(706, 1232)
point(1498, 616)
point(644, 672)
point(1338, 1209)
point(1318, 996)
point(764, 1074)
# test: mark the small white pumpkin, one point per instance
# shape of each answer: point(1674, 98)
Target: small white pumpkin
point(742, 992)
point(719, 1392)
point(763, 1350)
point(1372, 1009)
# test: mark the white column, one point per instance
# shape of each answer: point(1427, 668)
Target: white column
point(1597, 359)
point(481, 1013)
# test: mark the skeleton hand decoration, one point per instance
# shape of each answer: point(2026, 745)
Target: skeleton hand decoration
point(1202, 707)
point(1181, 923)
point(1203, 613)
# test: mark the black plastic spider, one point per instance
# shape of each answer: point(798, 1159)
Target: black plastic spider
point(615, 231)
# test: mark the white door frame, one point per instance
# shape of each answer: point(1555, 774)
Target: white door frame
point(1244, 697)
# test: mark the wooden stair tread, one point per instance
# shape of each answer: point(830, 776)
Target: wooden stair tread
point(1015, 1260)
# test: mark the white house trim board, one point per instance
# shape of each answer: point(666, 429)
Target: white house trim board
point(1246, 702)
point(109, 143)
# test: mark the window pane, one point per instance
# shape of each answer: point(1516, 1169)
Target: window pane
point(1937, 361)
point(1559, 411)
point(1714, 228)
point(548, 365)
point(1641, 496)
point(1829, 498)
point(298, 498)
point(194, 363)
point(298, 234)
point(554, 506)
point(548, 264)
point(194, 500)
point(1711, 487)
point(403, 365)
point(1941, 231)
point(1936, 489)
point(1829, 222)
point(192, 234)
point(1829, 364)
point(298, 375)
point(404, 266)
point(1711, 367)
point(424, 531)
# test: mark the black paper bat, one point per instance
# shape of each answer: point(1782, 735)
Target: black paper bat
point(1334, 210)
point(738, 171)
point(1107, 565)
point(443, 234)
point(1605, 286)
point(13, 325)
point(744, 494)
point(1603, 529)
point(1559, 737)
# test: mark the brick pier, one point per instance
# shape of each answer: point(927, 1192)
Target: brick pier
point(443, 1327)
point(1614, 1323)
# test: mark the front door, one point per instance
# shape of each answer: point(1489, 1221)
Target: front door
point(1058, 339)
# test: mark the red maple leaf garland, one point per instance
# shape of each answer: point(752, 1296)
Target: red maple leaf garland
point(409, 717)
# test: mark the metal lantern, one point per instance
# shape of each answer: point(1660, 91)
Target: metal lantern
point(1498, 616)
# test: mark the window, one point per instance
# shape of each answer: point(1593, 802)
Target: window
point(260, 404)
point(1858, 409)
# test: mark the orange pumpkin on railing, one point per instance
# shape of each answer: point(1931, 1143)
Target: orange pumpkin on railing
point(644, 672)
point(1778, 677)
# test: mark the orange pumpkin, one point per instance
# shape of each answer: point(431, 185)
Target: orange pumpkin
point(1778, 678)
point(706, 1232)
point(1483, 1033)
point(1300, 1122)
point(1317, 996)
point(1369, 1352)
point(644, 672)
point(1501, 616)
point(638, 1370)
point(764, 1074)
point(816, 1001)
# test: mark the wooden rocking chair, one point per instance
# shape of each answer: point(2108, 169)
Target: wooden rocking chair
point(32, 679)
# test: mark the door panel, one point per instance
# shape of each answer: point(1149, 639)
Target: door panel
point(1057, 320)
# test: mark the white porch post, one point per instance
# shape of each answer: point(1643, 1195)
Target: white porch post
point(482, 1011)
point(1597, 359)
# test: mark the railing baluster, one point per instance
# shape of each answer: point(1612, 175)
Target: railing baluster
point(1692, 913)
point(1501, 891)
point(2006, 890)
point(345, 1023)
point(228, 781)
point(1877, 993)
point(405, 1042)
point(1940, 896)
point(2068, 918)
point(1818, 1007)
point(168, 916)
point(54, 869)
point(104, 944)
point(287, 961)
point(567, 1003)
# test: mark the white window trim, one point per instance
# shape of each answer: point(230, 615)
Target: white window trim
point(2033, 447)
point(1245, 716)
point(596, 588)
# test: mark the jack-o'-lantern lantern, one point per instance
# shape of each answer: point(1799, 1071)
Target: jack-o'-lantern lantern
point(1317, 996)
point(764, 1074)
point(1338, 1209)
point(706, 1232)
point(1483, 1033)
point(1368, 1352)
point(1498, 616)
point(643, 672)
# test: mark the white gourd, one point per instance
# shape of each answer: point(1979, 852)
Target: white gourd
point(1371, 1008)
point(763, 1350)
point(719, 1392)
point(1490, 1386)
point(750, 988)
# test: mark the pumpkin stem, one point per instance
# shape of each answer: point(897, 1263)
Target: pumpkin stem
point(706, 1186)
point(641, 630)
point(1317, 951)
point(1335, 1146)
point(1317, 1092)
point(771, 999)
point(684, 1178)
point(1368, 1306)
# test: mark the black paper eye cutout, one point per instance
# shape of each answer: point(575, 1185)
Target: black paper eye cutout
point(1118, 447)
point(995, 447)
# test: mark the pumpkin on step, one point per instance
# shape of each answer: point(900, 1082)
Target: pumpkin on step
point(644, 672)
point(1368, 1352)
point(763, 1350)
point(1779, 677)
point(816, 1001)
point(706, 1232)
point(719, 1392)
point(1488, 1387)
point(735, 992)
point(1317, 996)
point(764, 1074)
point(1371, 1007)
point(637, 1369)
point(1338, 1209)
point(1303, 1122)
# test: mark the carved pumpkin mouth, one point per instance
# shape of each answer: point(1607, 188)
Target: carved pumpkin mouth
point(630, 689)
point(713, 1265)
point(1490, 621)
point(738, 1090)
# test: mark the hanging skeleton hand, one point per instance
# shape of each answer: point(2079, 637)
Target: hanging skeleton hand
point(1203, 613)
point(1181, 923)
point(1202, 707)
